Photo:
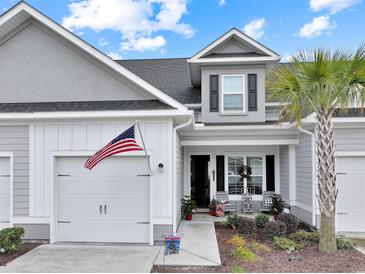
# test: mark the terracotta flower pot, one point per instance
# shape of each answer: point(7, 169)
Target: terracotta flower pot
point(189, 217)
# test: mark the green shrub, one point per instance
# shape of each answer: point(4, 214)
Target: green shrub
point(242, 253)
point(261, 219)
point(275, 229)
point(246, 225)
point(285, 243)
point(291, 222)
point(343, 243)
point(302, 235)
point(231, 222)
point(238, 269)
point(11, 239)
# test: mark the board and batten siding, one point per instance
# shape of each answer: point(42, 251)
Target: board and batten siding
point(91, 136)
point(16, 139)
point(284, 173)
point(179, 177)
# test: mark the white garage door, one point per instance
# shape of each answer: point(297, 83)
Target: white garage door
point(108, 204)
point(351, 194)
point(4, 191)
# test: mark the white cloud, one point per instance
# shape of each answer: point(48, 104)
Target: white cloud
point(317, 27)
point(133, 19)
point(115, 55)
point(221, 3)
point(333, 6)
point(144, 43)
point(255, 28)
point(286, 58)
point(103, 42)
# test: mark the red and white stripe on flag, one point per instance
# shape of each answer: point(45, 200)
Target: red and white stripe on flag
point(122, 143)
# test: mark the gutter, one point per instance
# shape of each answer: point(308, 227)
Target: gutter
point(174, 132)
point(314, 177)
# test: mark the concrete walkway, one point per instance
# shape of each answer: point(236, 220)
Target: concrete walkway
point(198, 247)
point(85, 258)
point(359, 240)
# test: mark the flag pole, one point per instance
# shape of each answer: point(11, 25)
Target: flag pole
point(144, 147)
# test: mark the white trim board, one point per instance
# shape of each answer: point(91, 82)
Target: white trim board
point(72, 38)
point(239, 142)
point(94, 114)
point(234, 32)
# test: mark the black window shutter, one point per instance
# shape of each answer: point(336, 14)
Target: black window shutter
point(252, 92)
point(220, 172)
point(270, 172)
point(214, 93)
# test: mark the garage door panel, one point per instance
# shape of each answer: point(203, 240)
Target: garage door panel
point(122, 209)
point(351, 194)
point(117, 186)
point(75, 210)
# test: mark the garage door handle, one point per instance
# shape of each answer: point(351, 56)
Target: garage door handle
point(64, 222)
point(4, 222)
point(143, 175)
point(5, 175)
point(105, 209)
point(143, 223)
point(101, 209)
point(342, 213)
point(341, 173)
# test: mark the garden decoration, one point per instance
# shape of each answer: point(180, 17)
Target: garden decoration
point(172, 244)
point(247, 205)
point(212, 207)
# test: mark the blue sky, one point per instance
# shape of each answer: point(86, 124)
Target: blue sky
point(179, 28)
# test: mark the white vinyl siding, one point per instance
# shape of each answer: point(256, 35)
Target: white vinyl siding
point(233, 93)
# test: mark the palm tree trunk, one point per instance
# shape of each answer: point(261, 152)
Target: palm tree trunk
point(326, 175)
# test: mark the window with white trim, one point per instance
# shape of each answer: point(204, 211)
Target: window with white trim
point(235, 181)
point(254, 182)
point(233, 93)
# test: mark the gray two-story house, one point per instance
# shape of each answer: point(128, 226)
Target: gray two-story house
point(201, 119)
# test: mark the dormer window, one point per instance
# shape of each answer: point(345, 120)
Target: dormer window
point(233, 93)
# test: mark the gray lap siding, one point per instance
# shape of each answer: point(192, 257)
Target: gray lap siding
point(15, 139)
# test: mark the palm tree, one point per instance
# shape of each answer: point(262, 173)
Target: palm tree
point(321, 81)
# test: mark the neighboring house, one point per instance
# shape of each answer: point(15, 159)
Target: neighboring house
point(201, 118)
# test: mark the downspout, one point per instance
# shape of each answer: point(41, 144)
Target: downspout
point(175, 129)
point(314, 177)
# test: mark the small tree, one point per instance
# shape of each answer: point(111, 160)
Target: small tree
point(320, 81)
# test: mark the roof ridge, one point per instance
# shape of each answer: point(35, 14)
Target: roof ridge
point(151, 59)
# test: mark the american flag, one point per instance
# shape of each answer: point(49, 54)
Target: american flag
point(123, 143)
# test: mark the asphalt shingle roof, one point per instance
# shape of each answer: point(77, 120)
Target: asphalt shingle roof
point(171, 76)
point(82, 106)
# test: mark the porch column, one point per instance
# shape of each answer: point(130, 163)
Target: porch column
point(292, 175)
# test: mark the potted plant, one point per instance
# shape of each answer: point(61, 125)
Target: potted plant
point(212, 207)
point(188, 207)
point(277, 205)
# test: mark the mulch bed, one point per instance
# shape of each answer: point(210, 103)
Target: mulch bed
point(26, 247)
point(308, 259)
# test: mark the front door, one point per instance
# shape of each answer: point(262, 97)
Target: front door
point(200, 183)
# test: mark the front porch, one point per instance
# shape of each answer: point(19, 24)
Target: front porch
point(212, 164)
